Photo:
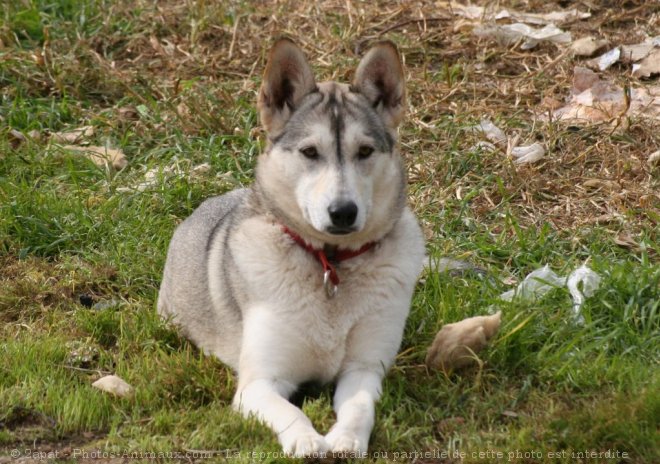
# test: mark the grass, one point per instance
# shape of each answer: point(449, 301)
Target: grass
point(173, 86)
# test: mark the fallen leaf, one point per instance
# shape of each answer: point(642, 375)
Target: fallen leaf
point(648, 66)
point(645, 102)
point(101, 156)
point(602, 184)
point(35, 135)
point(654, 158)
point(636, 52)
point(16, 138)
point(114, 385)
point(596, 100)
point(551, 103)
point(587, 46)
point(127, 113)
point(455, 345)
point(72, 136)
point(625, 240)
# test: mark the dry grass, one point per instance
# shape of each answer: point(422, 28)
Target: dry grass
point(592, 175)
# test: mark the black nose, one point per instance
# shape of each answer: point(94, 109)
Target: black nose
point(343, 213)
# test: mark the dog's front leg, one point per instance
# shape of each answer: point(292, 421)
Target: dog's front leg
point(357, 391)
point(266, 399)
point(272, 361)
point(372, 347)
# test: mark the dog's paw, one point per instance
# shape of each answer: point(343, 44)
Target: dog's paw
point(307, 444)
point(346, 441)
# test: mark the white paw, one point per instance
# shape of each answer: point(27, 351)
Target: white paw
point(346, 441)
point(307, 444)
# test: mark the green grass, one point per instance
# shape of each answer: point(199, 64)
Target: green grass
point(70, 229)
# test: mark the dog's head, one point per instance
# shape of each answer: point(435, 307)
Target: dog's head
point(332, 168)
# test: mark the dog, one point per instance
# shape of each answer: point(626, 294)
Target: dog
point(308, 274)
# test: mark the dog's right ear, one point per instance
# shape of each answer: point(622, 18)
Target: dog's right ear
point(287, 79)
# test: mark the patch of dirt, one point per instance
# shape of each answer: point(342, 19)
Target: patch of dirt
point(31, 286)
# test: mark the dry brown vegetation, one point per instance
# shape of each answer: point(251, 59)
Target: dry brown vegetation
point(595, 174)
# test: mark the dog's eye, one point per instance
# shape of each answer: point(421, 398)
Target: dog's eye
point(365, 152)
point(310, 152)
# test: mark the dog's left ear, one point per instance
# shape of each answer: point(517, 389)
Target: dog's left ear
point(287, 79)
point(379, 77)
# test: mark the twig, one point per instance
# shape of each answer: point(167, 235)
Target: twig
point(233, 38)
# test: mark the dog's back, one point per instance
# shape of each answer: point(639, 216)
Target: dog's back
point(185, 294)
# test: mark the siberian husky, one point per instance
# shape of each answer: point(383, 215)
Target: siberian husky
point(308, 274)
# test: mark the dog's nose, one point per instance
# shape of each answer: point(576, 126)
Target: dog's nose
point(343, 213)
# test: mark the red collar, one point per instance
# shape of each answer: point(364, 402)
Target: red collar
point(329, 271)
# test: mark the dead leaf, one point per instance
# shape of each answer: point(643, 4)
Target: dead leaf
point(587, 46)
point(636, 52)
point(72, 136)
point(645, 102)
point(551, 103)
point(455, 345)
point(114, 385)
point(101, 156)
point(127, 113)
point(35, 135)
point(625, 240)
point(596, 100)
point(16, 138)
point(654, 158)
point(648, 66)
point(602, 184)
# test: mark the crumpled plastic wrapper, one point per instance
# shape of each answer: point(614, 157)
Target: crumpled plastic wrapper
point(542, 280)
point(523, 154)
point(510, 34)
point(456, 345)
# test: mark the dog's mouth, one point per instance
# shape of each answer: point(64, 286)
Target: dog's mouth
point(334, 230)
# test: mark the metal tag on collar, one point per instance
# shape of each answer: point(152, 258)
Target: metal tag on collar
point(330, 288)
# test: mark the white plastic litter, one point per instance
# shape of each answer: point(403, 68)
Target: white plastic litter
point(496, 136)
point(528, 154)
point(491, 131)
point(590, 283)
point(607, 59)
point(542, 280)
point(490, 14)
point(510, 34)
point(535, 285)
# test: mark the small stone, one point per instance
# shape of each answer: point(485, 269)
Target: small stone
point(114, 385)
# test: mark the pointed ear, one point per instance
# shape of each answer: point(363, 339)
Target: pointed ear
point(379, 77)
point(287, 79)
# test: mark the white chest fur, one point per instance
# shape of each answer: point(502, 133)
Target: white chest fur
point(287, 314)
